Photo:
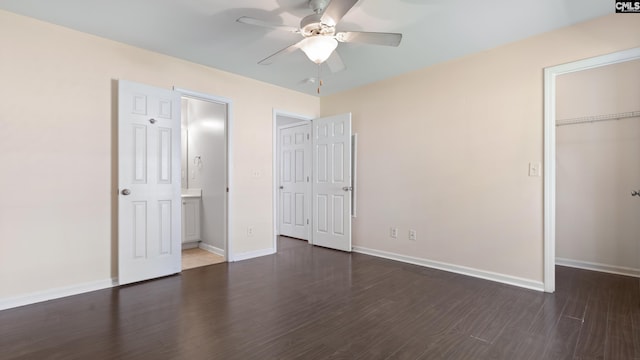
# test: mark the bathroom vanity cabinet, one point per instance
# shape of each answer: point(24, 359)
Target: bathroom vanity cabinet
point(190, 219)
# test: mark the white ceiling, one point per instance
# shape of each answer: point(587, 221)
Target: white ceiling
point(205, 31)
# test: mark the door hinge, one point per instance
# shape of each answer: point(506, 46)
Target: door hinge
point(227, 189)
point(307, 179)
point(307, 136)
point(307, 221)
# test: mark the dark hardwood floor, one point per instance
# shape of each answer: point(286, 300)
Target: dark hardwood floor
point(313, 303)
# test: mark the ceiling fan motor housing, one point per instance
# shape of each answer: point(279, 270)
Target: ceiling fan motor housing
point(312, 25)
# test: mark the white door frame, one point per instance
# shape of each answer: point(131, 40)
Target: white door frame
point(228, 248)
point(275, 166)
point(550, 75)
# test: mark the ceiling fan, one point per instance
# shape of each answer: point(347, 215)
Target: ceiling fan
point(320, 38)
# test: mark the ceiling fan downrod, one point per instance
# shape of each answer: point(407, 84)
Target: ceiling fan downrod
point(318, 6)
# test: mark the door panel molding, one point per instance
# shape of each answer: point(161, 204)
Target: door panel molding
point(276, 115)
point(149, 221)
point(295, 180)
point(332, 184)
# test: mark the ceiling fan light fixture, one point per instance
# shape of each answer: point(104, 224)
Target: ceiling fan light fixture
point(319, 48)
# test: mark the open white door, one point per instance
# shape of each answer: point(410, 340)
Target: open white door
point(332, 182)
point(295, 185)
point(149, 207)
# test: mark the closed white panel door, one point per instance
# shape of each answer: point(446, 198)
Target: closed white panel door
point(149, 206)
point(295, 181)
point(332, 182)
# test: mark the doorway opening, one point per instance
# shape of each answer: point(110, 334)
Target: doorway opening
point(291, 176)
point(318, 154)
point(550, 148)
point(204, 179)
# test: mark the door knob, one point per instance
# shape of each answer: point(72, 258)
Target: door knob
point(126, 192)
point(347, 188)
point(635, 193)
point(281, 187)
point(152, 121)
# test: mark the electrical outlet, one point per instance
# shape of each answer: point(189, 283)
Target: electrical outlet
point(394, 232)
point(250, 231)
point(412, 235)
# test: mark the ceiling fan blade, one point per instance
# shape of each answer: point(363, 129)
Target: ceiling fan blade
point(257, 22)
point(335, 63)
point(336, 10)
point(270, 59)
point(374, 38)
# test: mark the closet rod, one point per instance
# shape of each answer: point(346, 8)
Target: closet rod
point(596, 118)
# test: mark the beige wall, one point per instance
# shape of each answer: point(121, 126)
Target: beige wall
point(445, 151)
point(598, 167)
point(56, 149)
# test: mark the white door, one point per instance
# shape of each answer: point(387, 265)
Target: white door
point(149, 207)
point(295, 180)
point(332, 182)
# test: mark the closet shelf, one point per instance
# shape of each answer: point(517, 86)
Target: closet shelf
point(597, 118)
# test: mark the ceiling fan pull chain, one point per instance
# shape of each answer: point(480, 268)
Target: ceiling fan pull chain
point(319, 79)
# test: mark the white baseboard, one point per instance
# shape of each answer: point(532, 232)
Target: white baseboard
point(40, 296)
point(190, 245)
point(586, 265)
point(253, 254)
point(211, 249)
point(463, 270)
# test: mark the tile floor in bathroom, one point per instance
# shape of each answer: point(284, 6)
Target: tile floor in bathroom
point(192, 258)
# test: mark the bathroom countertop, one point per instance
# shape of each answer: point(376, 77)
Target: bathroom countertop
point(191, 193)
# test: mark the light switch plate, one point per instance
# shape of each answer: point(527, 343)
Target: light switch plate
point(534, 169)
